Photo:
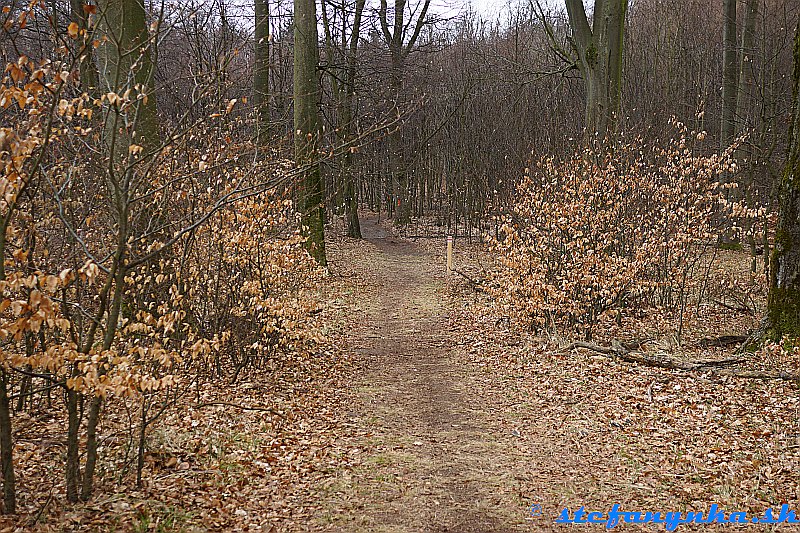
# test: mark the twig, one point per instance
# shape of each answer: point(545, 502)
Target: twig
point(46, 503)
point(742, 309)
point(48, 377)
point(475, 283)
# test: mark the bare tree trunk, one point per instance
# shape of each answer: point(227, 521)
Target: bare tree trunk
point(125, 59)
point(730, 75)
point(91, 448)
point(141, 444)
point(600, 48)
point(744, 114)
point(88, 68)
point(400, 44)
point(783, 305)
point(73, 469)
point(310, 197)
point(744, 95)
point(350, 192)
point(7, 447)
point(397, 156)
point(397, 164)
point(261, 93)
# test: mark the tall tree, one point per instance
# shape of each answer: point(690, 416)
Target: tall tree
point(343, 83)
point(783, 304)
point(80, 11)
point(747, 56)
point(261, 95)
point(310, 197)
point(350, 198)
point(744, 111)
point(599, 48)
point(400, 37)
point(730, 74)
point(126, 65)
point(125, 58)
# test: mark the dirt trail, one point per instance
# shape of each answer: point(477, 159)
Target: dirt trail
point(463, 426)
point(427, 456)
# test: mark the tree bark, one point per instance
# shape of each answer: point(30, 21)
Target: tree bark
point(744, 115)
point(747, 52)
point(261, 93)
point(397, 155)
point(350, 193)
point(73, 469)
point(599, 49)
point(783, 304)
point(87, 485)
point(88, 68)
point(400, 45)
point(730, 75)
point(310, 197)
point(126, 62)
point(7, 447)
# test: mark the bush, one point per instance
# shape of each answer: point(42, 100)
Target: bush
point(134, 267)
point(600, 235)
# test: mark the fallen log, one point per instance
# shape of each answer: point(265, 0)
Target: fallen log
point(722, 341)
point(661, 360)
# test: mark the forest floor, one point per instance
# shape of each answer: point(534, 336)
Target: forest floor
point(435, 413)
point(460, 422)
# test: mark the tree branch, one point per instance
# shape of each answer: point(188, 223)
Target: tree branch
point(618, 352)
point(579, 23)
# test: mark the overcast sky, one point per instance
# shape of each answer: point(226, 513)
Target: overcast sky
point(487, 7)
point(490, 8)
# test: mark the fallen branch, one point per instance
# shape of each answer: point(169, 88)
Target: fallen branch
point(755, 337)
point(722, 340)
point(740, 309)
point(475, 283)
point(617, 351)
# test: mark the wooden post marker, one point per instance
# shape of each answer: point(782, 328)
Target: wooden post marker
point(449, 253)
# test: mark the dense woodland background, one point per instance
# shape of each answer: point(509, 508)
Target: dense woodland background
point(170, 169)
point(477, 99)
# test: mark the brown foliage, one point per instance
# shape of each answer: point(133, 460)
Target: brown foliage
point(600, 235)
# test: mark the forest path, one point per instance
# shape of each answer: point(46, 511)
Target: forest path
point(425, 452)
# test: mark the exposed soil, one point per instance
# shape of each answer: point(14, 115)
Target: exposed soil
point(428, 451)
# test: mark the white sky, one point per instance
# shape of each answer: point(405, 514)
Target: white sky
point(490, 8)
point(487, 7)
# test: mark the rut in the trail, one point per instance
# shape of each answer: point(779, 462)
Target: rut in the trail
point(431, 454)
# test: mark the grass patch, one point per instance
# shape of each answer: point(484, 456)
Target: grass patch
point(161, 519)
